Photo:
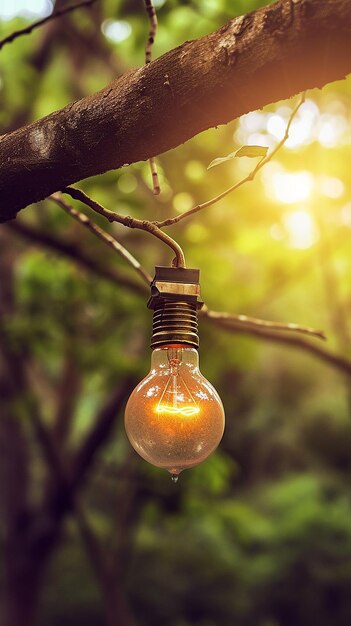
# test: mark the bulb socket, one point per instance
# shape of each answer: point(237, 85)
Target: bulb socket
point(175, 299)
point(175, 322)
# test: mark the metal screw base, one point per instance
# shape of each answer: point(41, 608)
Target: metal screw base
point(175, 322)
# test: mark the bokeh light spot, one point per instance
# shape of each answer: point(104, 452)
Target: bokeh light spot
point(22, 8)
point(127, 183)
point(195, 170)
point(183, 201)
point(116, 30)
point(289, 187)
point(300, 229)
point(330, 186)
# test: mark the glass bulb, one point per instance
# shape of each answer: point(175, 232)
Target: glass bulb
point(174, 418)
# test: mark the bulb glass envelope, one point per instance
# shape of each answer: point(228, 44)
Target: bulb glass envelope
point(174, 417)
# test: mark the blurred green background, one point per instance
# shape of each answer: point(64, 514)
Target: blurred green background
point(260, 534)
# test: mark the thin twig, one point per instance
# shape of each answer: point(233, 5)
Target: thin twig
point(151, 11)
point(234, 321)
point(256, 328)
point(106, 237)
point(28, 29)
point(156, 188)
point(335, 360)
point(130, 222)
point(75, 254)
point(248, 178)
point(243, 321)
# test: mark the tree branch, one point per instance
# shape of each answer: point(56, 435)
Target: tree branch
point(267, 331)
point(151, 11)
point(28, 29)
point(103, 235)
point(238, 322)
point(130, 222)
point(338, 362)
point(75, 254)
point(243, 322)
point(248, 178)
point(265, 56)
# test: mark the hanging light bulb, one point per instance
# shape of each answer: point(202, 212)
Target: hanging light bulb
point(174, 418)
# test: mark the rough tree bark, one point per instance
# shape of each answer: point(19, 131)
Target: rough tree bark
point(253, 60)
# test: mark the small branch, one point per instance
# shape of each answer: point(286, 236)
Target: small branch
point(248, 178)
point(336, 361)
point(28, 29)
point(151, 11)
point(239, 322)
point(229, 323)
point(106, 237)
point(243, 322)
point(74, 253)
point(156, 189)
point(130, 222)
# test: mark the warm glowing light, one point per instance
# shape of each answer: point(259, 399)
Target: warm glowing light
point(260, 139)
point(346, 214)
point(300, 133)
point(290, 187)
point(300, 228)
point(330, 186)
point(192, 414)
point(276, 126)
point(178, 410)
point(253, 121)
point(331, 130)
point(310, 124)
point(303, 127)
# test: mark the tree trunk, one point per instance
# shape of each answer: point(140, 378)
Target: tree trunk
point(22, 586)
point(260, 58)
point(116, 606)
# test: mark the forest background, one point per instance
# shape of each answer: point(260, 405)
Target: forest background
point(260, 534)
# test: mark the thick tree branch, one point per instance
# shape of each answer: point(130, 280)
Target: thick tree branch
point(260, 58)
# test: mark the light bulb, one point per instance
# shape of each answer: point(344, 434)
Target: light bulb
point(174, 418)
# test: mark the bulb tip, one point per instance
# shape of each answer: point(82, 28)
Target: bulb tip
point(174, 478)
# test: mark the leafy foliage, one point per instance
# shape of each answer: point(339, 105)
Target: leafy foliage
point(245, 151)
point(260, 534)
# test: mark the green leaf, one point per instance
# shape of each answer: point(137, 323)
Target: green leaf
point(244, 151)
point(252, 151)
point(221, 160)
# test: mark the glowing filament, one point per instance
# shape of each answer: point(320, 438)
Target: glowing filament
point(177, 410)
